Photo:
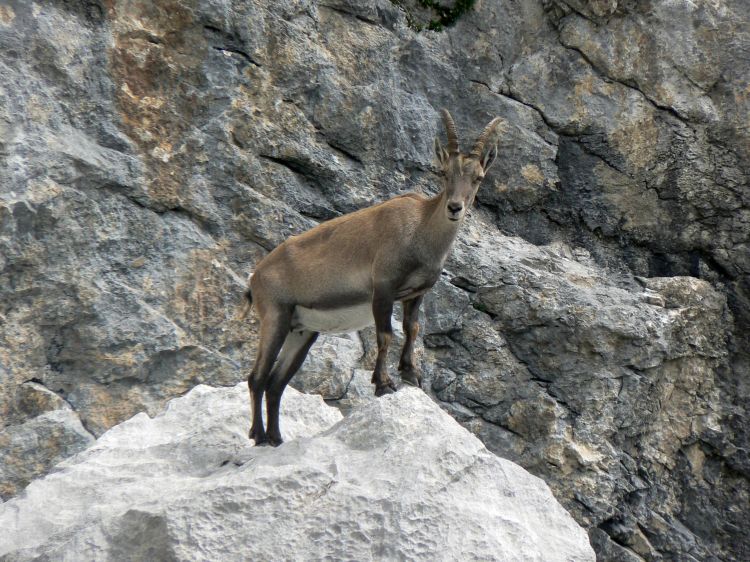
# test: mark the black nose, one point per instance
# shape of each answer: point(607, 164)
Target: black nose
point(455, 208)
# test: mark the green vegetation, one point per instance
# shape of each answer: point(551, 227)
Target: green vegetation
point(442, 16)
point(481, 307)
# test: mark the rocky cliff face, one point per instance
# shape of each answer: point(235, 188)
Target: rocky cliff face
point(591, 324)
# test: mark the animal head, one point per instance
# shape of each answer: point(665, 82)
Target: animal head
point(462, 173)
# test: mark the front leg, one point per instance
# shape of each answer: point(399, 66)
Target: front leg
point(411, 327)
point(382, 309)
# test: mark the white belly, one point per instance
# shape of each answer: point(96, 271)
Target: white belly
point(337, 320)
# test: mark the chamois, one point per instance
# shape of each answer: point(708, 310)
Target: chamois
point(346, 273)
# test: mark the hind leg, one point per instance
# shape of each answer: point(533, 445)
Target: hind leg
point(293, 353)
point(273, 330)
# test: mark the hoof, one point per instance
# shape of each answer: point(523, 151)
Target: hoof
point(274, 441)
point(411, 378)
point(389, 388)
point(259, 437)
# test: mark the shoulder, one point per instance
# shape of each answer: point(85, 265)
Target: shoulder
point(405, 201)
point(401, 208)
point(410, 195)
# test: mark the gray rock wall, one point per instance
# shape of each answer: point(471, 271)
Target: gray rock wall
point(591, 325)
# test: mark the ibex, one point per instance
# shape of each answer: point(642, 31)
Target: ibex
point(346, 273)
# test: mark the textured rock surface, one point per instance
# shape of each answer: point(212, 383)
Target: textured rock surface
point(329, 370)
point(151, 153)
point(398, 479)
point(604, 390)
point(46, 431)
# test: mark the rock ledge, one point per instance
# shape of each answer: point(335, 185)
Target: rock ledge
point(396, 479)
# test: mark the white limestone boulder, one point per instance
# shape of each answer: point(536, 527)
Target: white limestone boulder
point(398, 479)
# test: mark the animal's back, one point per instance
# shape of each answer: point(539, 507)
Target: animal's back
point(329, 267)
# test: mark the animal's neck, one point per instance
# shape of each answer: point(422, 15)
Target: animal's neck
point(437, 232)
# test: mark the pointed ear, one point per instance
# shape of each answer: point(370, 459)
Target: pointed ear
point(489, 158)
point(440, 153)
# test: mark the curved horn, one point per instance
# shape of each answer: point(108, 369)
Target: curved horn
point(489, 130)
point(450, 130)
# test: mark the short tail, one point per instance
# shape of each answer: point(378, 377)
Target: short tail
point(247, 305)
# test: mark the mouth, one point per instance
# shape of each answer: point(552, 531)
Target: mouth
point(454, 219)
